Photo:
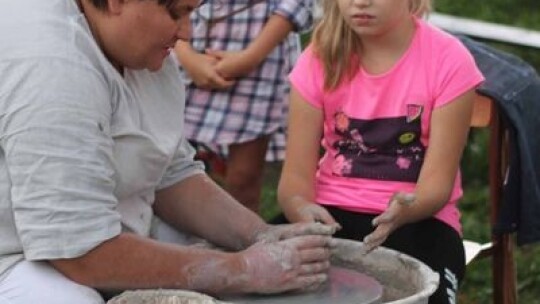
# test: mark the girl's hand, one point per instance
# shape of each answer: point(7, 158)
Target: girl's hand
point(316, 213)
point(206, 76)
point(201, 68)
point(299, 210)
point(388, 221)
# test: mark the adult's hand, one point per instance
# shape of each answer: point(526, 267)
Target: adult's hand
point(298, 263)
point(388, 221)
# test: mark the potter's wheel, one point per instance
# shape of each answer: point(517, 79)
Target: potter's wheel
point(344, 286)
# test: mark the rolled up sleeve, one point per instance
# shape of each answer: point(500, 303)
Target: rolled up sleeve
point(55, 136)
point(298, 12)
point(182, 166)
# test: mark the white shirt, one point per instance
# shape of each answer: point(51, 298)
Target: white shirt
point(82, 149)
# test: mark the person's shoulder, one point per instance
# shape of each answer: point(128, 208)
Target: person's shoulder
point(435, 34)
point(440, 44)
point(437, 37)
point(45, 30)
point(309, 50)
point(310, 57)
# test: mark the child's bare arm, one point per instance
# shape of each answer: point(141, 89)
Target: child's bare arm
point(201, 68)
point(449, 129)
point(296, 193)
point(236, 64)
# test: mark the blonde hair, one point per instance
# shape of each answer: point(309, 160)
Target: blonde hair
point(337, 46)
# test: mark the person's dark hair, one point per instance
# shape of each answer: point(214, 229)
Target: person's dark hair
point(102, 4)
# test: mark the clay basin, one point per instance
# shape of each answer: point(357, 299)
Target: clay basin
point(382, 276)
point(405, 280)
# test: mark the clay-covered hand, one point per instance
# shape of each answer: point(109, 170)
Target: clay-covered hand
point(273, 233)
point(388, 221)
point(298, 263)
point(298, 209)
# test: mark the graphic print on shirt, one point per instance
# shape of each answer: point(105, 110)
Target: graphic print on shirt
point(383, 149)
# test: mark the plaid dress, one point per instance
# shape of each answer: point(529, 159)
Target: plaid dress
point(257, 104)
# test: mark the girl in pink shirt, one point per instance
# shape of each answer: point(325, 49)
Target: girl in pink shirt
point(391, 97)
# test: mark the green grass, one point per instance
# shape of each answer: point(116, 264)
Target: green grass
point(269, 206)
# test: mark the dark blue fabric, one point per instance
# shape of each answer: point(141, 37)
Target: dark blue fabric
point(515, 86)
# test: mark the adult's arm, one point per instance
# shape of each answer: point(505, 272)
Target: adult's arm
point(59, 155)
point(198, 205)
point(279, 258)
point(128, 261)
point(56, 141)
point(131, 262)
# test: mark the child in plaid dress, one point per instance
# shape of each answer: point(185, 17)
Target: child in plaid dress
point(236, 70)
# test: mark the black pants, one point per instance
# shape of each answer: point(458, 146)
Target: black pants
point(430, 241)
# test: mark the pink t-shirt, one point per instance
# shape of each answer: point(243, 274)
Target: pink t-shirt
point(376, 127)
